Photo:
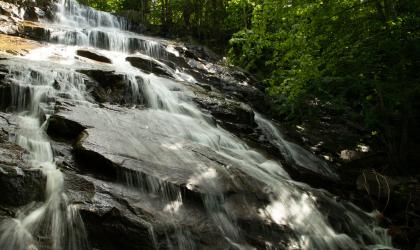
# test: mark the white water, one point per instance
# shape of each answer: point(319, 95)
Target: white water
point(170, 112)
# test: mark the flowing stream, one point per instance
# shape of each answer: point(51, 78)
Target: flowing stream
point(169, 112)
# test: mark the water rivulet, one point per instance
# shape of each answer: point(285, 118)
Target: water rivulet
point(144, 155)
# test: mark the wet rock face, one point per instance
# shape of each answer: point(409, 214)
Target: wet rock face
point(118, 217)
point(227, 111)
point(131, 194)
point(111, 137)
point(19, 183)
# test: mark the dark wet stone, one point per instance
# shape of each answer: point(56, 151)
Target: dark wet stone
point(5, 95)
point(108, 86)
point(20, 185)
point(234, 116)
point(5, 89)
point(148, 65)
point(60, 127)
point(106, 78)
point(93, 56)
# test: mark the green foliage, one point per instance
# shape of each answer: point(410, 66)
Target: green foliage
point(361, 56)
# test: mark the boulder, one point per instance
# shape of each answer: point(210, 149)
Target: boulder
point(109, 86)
point(60, 127)
point(149, 65)
point(351, 155)
point(93, 56)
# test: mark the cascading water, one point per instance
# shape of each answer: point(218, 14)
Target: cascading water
point(170, 112)
point(83, 26)
point(53, 219)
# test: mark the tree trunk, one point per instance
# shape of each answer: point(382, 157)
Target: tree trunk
point(389, 9)
point(186, 13)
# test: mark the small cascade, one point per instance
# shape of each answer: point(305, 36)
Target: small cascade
point(80, 25)
point(54, 219)
point(293, 153)
point(108, 40)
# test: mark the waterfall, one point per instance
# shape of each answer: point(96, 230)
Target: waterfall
point(292, 205)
